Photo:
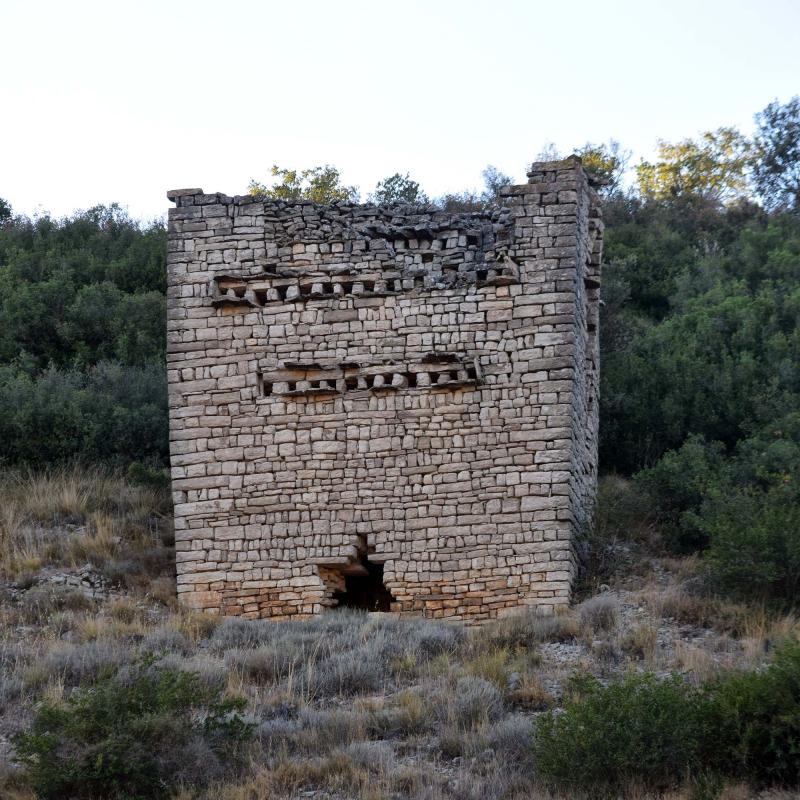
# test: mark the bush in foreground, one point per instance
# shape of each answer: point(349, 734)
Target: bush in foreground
point(638, 730)
point(651, 733)
point(134, 735)
point(755, 722)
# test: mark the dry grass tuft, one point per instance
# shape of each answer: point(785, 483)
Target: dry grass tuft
point(491, 664)
point(526, 629)
point(641, 642)
point(599, 614)
point(695, 661)
point(705, 611)
point(195, 625)
point(529, 694)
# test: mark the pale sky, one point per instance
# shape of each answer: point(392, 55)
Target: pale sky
point(121, 101)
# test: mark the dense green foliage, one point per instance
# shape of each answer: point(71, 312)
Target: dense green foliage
point(754, 722)
point(711, 344)
point(640, 729)
point(82, 289)
point(654, 733)
point(82, 339)
point(701, 382)
point(135, 735)
point(701, 349)
point(109, 412)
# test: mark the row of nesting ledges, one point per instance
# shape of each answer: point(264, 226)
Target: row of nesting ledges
point(352, 378)
point(284, 286)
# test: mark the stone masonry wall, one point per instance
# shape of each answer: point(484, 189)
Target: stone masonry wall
point(356, 385)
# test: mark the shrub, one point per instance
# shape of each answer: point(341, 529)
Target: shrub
point(755, 542)
point(79, 663)
point(264, 664)
point(39, 603)
point(373, 756)
point(623, 514)
point(109, 413)
point(641, 641)
point(430, 639)
point(165, 640)
point(707, 611)
point(528, 692)
point(235, 632)
point(624, 511)
point(650, 733)
point(755, 720)
point(322, 730)
point(408, 714)
point(350, 673)
point(142, 475)
point(677, 485)
point(136, 735)
point(639, 730)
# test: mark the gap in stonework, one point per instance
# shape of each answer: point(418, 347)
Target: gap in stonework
point(364, 587)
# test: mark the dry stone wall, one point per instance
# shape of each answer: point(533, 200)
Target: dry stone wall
point(386, 406)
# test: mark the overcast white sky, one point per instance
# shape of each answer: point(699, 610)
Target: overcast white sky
point(120, 101)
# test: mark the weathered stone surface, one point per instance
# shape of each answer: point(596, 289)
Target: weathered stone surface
point(395, 386)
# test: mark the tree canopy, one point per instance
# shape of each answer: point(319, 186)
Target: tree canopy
point(398, 188)
point(713, 166)
point(317, 184)
point(776, 158)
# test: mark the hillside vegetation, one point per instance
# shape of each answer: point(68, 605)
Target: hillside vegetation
point(677, 672)
point(652, 688)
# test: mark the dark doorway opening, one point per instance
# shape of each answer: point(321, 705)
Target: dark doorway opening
point(364, 588)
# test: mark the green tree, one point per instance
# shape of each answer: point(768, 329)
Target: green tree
point(606, 163)
point(776, 157)
point(63, 283)
point(715, 167)
point(493, 182)
point(5, 210)
point(726, 363)
point(318, 184)
point(398, 188)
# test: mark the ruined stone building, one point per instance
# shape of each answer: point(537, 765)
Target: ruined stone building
point(391, 407)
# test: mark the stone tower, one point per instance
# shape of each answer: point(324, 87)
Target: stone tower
point(390, 407)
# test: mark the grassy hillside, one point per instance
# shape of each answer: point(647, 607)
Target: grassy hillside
point(98, 664)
